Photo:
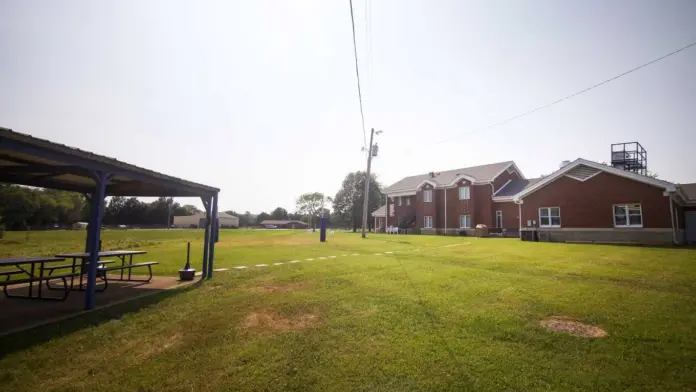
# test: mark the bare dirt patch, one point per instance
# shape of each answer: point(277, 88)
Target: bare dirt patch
point(269, 321)
point(278, 288)
point(572, 327)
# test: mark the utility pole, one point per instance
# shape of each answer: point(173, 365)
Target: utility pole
point(370, 152)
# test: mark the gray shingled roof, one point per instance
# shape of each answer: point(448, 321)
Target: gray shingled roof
point(480, 173)
point(280, 222)
point(516, 186)
point(380, 211)
point(689, 189)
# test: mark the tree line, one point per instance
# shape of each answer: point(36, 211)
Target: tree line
point(24, 207)
point(309, 207)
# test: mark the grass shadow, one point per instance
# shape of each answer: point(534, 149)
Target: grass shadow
point(26, 339)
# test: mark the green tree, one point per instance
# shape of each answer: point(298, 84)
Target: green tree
point(279, 213)
point(262, 217)
point(348, 203)
point(312, 204)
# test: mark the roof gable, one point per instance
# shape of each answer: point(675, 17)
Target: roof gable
point(582, 170)
point(482, 173)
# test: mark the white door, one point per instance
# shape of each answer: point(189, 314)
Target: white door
point(690, 220)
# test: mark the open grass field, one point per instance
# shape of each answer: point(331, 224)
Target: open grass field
point(440, 313)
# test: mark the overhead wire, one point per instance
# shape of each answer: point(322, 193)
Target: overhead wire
point(569, 96)
point(357, 74)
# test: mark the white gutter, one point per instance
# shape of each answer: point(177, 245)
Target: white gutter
point(671, 213)
point(519, 203)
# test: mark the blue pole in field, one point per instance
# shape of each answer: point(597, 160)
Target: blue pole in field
point(322, 229)
point(94, 236)
point(206, 238)
point(215, 227)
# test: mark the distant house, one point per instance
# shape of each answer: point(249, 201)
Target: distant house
point(198, 220)
point(283, 224)
point(79, 226)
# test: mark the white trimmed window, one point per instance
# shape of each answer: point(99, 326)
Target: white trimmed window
point(550, 217)
point(400, 201)
point(408, 200)
point(464, 193)
point(499, 219)
point(464, 221)
point(628, 215)
point(428, 222)
point(428, 196)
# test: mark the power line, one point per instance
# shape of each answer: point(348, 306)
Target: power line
point(572, 95)
point(357, 74)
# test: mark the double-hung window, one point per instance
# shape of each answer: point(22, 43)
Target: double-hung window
point(628, 215)
point(428, 222)
point(428, 196)
point(464, 193)
point(550, 217)
point(464, 221)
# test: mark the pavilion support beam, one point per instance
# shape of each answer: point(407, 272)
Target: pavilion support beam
point(41, 168)
point(42, 182)
point(94, 235)
point(88, 196)
point(206, 237)
point(215, 226)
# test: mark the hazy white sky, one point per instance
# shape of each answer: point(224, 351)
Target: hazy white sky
point(259, 98)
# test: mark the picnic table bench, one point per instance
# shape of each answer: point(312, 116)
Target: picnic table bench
point(32, 276)
point(126, 258)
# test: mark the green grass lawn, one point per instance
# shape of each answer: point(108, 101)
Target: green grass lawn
point(441, 313)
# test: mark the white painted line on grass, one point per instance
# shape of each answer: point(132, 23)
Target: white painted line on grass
point(278, 263)
point(309, 259)
point(449, 246)
point(261, 265)
point(295, 261)
point(240, 267)
point(354, 254)
point(388, 253)
point(332, 257)
point(220, 269)
point(322, 258)
point(378, 254)
point(344, 255)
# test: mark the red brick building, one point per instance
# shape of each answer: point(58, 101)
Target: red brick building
point(583, 201)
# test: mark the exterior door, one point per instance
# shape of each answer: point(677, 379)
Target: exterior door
point(690, 220)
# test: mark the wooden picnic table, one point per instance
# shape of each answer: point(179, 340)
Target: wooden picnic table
point(32, 275)
point(84, 256)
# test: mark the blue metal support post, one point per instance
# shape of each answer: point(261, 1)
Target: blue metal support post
point(89, 232)
point(214, 237)
point(94, 236)
point(322, 228)
point(206, 238)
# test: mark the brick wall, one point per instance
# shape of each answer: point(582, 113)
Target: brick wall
point(511, 214)
point(589, 204)
point(483, 205)
point(426, 209)
point(405, 211)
